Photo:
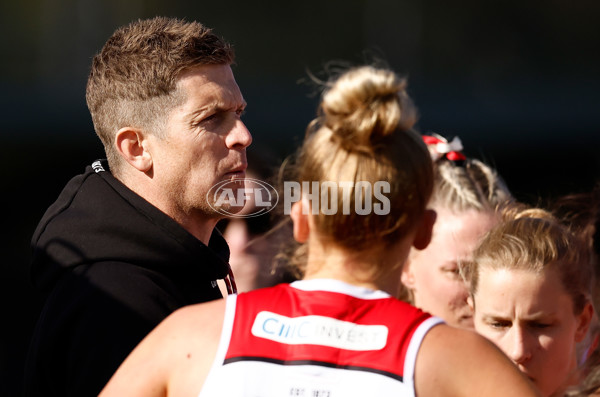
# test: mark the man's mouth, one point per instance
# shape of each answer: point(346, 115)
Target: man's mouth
point(237, 173)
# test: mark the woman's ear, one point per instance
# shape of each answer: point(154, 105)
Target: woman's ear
point(424, 229)
point(131, 144)
point(584, 321)
point(301, 223)
point(407, 277)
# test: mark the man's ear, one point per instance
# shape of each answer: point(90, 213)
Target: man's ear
point(424, 230)
point(132, 145)
point(300, 220)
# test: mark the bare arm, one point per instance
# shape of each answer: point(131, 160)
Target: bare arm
point(174, 359)
point(454, 362)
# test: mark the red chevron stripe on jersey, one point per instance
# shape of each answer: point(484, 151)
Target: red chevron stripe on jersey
point(287, 325)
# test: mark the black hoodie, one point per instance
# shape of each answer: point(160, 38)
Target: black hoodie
point(111, 266)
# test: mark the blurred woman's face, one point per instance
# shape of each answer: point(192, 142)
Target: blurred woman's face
point(433, 273)
point(530, 317)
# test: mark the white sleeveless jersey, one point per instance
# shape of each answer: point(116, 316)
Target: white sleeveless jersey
point(317, 338)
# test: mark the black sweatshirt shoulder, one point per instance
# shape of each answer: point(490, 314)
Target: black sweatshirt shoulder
point(112, 266)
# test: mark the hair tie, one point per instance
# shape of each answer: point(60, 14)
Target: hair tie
point(440, 147)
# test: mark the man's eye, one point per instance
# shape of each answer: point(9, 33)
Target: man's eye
point(206, 121)
point(209, 118)
point(240, 112)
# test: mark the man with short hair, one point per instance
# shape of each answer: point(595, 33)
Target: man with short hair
point(132, 239)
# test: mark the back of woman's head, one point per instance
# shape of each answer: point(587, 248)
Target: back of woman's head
point(380, 169)
point(533, 239)
point(463, 184)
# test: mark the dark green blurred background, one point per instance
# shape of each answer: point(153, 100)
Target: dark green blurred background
point(517, 80)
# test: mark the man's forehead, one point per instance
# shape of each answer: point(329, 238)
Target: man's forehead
point(206, 74)
point(210, 86)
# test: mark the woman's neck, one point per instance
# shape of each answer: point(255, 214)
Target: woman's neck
point(377, 269)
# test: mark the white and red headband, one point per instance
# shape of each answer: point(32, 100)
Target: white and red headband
point(440, 147)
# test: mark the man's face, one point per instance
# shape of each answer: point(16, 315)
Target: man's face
point(204, 142)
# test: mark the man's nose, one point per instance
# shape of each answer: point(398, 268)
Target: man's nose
point(239, 136)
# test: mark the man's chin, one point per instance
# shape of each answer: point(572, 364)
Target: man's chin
point(228, 210)
point(228, 197)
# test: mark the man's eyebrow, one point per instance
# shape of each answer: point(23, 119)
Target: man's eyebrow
point(219, 107)
point(207, 109)
point(215, 107)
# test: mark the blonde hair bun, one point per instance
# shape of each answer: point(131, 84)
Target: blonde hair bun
point(366, 104)
point(359, 137)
